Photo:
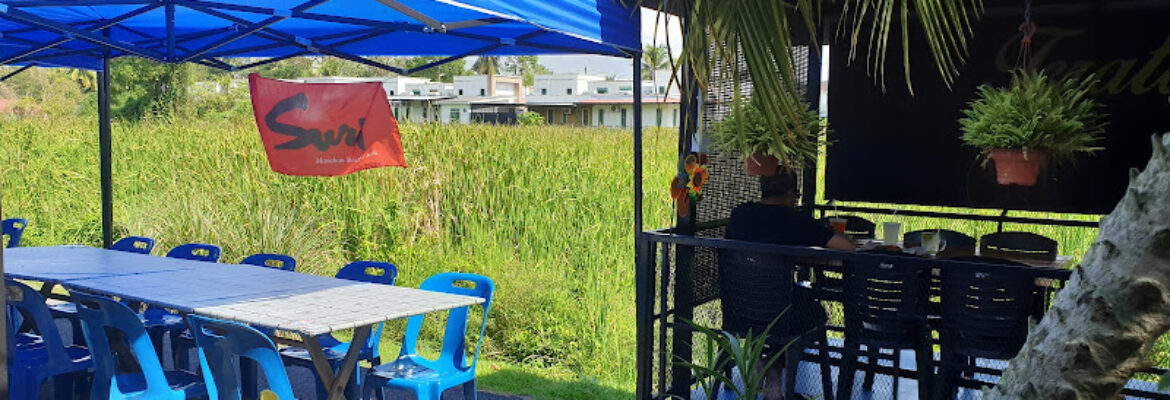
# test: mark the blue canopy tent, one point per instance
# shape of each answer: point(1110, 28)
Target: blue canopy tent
point(87, 34)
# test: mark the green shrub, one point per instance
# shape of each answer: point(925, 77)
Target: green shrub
point(1035, 112)
point(747, 131)
point(530, 118)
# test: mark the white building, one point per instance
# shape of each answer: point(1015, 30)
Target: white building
point(618, 112)
point(563, 84)
point(489, 86)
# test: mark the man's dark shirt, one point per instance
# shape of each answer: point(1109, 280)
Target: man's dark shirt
point(775, 224)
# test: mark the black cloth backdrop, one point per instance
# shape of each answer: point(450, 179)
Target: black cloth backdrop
point(893, 148)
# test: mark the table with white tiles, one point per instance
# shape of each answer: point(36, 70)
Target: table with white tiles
point(308, 305)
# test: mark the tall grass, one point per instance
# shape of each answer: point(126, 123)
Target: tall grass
point(543, 211)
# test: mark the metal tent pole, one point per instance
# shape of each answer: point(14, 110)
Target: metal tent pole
point(104, 150)
point(4, 326)
point(638, 142)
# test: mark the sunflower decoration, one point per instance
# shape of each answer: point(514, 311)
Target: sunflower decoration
point(688, 185)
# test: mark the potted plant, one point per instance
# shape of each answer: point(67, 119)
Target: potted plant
point(764, 146)
point(1034, 122)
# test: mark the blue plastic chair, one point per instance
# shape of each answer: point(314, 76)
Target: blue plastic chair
point(33, 359)
point(362, 271)
point(196, 251)
point(68, 311)
point(160, 322)
point(14, 229)
point(134, 244)
point(100, 315)
point(221, 342)
point(269, 260)
point(429, 378)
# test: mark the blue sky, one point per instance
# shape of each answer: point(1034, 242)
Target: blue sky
point(599, 65)
point(619, 67)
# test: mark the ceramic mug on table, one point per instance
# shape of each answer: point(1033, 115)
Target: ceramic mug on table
point(932, 243)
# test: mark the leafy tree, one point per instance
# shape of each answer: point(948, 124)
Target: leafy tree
point(527, 67)
point(487, 65)
point(442, 73)
point(141, 87)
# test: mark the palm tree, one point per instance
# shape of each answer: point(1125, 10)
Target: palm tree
point(758, 33)
point(486, 65)
point(654, 58)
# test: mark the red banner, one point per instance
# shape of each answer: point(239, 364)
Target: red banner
point(325, 129)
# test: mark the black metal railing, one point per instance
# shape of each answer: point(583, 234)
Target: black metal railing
point(674, 284)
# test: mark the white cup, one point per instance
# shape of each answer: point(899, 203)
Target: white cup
point(891, 233)
point(932, 243)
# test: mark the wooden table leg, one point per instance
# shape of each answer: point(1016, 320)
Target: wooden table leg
point(336, 383)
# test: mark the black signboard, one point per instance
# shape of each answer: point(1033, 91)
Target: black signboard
point(892, 147)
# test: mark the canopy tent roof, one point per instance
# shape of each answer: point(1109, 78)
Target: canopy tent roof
point(74, 33)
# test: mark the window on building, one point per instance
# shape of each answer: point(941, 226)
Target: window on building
point(456, 117)
point(675, 112)
point(658, 116)
point(626, 88)
point(408, 113)
point(483, 92)
point(460, 92)
point(585, 117)
point(550, 117)
point(602, 90)
point(569, 91)
point(416, 92)
point(623, 118)
point(544, 91)
point(600, 116)
point(661, 89)
point(391, 92)
point(565, 118)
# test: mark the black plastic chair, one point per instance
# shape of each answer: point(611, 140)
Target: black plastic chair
point(756, 289)
point(958, 244)
point(1018, 245)
point(885, 309)
point(856, 227)
point(985, 312)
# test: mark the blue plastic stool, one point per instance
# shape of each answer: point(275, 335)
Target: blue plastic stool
point(269, 260)
point(99, 314)
point(14, 229)
point(134, 244)
point(429, 378)
point(363, 271)
point(221, 342)
point(32, 359)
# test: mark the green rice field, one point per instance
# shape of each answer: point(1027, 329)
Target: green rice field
point(544, 211)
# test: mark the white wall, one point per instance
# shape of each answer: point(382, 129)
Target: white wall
point(561, 84)
point(471, 86)
point(464, 113)
point(411, 110)
point(613, 117)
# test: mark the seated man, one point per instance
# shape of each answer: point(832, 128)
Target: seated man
point(775, 220)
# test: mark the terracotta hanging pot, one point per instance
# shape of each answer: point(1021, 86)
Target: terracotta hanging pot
point(760, 164)
point(1015, 167)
